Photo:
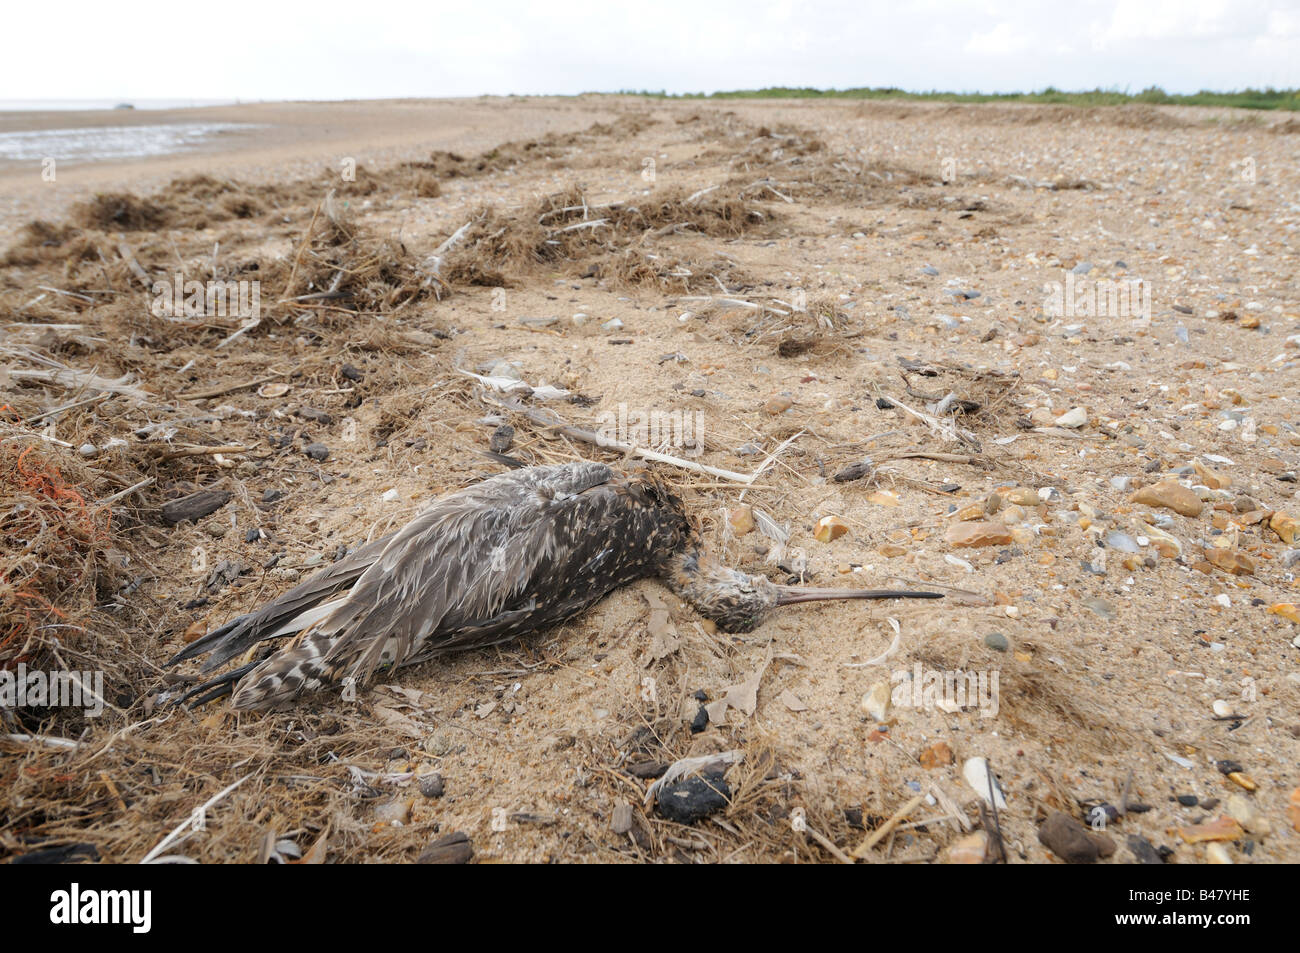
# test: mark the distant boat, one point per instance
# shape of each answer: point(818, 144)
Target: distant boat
point(124, 106)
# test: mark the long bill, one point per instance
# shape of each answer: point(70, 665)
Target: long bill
point(789, 595)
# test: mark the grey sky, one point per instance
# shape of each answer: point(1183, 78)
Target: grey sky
point(328, 50)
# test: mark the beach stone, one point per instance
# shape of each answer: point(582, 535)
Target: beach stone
point(432, 785)
point(687, 800)
point(1068, 839)
point(317, 451)
point(1287, 527)
point(971, 534)
point(1074, 418)
point(455, 848)
point(997, 641)
point(1143, 851)
point(741, 519)
point(938, 755)
point(1170, 495)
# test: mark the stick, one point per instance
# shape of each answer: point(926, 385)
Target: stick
point(110, 500)
point(826, 842)
point(880, 832)
point(587, 436)
point(204, 451)
point(176, 833)
point(128, 256)
point(227, 388)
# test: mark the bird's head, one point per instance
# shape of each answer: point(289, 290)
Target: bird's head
point(738, 602)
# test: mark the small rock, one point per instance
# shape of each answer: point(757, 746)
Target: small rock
point(687, 800)
point(1074, 418)
point(997, 642)
point(502, 439)
point(1170, 495)
point(829, 528)
point(1222, 828)
point(938, 755)
point(970, 534)
point(1286, 527)
point(777, 405)
point(1144, 852)
point(317, 451)
point(876, 702)
point(1068, 839)
point(432, 785)
point(977, 775)
point(1217, 854)
point(453, 849)
point(741, 519)
point(1241, 810)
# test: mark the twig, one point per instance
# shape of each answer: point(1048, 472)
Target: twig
point(586, 436)
point(826, 842)
point(880, 832)
point(205, 451)
point(123, 494)
point(180, 828)
point(228, 388)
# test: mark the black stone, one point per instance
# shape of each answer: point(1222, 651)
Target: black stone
point(1143, 851)
point(317, 451)
point(701, 721)
point(689, 799)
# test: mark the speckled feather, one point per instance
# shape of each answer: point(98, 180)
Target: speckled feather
point(505, 557)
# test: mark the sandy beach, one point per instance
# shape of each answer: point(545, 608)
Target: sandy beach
point(1045, 358)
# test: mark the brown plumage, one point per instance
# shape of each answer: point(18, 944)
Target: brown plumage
point(515, 553)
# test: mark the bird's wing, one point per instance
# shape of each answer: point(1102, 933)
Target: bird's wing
point(469, 558)
point(245, 631)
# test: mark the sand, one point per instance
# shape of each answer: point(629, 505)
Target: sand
point(868, 216)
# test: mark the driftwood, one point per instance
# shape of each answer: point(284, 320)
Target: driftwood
point(195, 506)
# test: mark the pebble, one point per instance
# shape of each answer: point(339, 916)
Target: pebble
point(997, 642)
point(970, 534)
point(1100, 607)
point(613, 324)
point(1222, 828)
point(1071, 841)
point(1143, 851)
point(1287, 527)
point(502, 439)
point(687, 800)
point(741, 519)
point(1170, 495)
point(875, 703)
point(455, 848)
point(1217, 854)
point(778, 404)
point(829, 528)
point(317, 451)
point(1122, 542)
point(432, 785)
point(938, 755)
point(1074, 418)
point(1241, 810)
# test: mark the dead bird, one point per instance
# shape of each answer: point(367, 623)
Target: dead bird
point(510, 555)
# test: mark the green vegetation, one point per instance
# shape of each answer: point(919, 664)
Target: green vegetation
point(1288, 99)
